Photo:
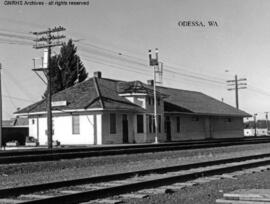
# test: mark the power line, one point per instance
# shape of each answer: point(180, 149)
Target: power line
point(17, 83)
point(8, 96)
point(10, 35)
point(17, 98)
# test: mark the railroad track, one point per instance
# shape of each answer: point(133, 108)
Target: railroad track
point(137, 184)
point(57, 154)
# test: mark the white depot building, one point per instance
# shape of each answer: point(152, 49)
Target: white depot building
point(107, 111)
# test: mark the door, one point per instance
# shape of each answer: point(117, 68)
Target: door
point(125, 128)
point(168, 128)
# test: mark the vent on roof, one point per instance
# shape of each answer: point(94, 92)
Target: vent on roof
point(97, 74)
point(150, 82)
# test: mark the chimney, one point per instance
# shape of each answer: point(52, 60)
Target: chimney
point(150, 82)
point(97, 74)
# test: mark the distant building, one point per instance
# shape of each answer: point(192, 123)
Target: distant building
point(15, 122)
point(15, 129)
point(106, 111)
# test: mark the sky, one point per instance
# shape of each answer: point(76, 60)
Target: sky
point(114, 37)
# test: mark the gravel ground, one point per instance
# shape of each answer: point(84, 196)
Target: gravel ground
point(207, 193)
point(40, 172)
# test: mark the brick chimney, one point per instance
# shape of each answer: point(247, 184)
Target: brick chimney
point(150, 82)
point(97, 74)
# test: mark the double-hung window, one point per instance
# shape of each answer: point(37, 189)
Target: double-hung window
point(112, 123)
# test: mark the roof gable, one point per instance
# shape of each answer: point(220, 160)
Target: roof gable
point(93, 93)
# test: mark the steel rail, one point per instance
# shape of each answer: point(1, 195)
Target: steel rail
point(137, 149)
point(126, 188)
point(93, 194)
point(126, 146)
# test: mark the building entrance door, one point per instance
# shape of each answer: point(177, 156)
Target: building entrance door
point(168, 128)
point(125, 128)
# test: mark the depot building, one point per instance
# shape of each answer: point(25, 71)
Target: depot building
point(107, 111)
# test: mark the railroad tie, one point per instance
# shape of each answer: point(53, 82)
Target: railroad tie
point(185, 184)
point(213, 178)
point(153, 191)
point(109, 184)
point(35, 196)
point(91, 187)
point(106, 201)
point(10, 201)
point(200, 180)
point(224, 201)
point(228, 176)
point(134, 195)
point(246, 196)
point(70, 192)
point(173, 188)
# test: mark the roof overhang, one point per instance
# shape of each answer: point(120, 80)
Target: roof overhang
point(76, 111)
point(207, 114)
point(59, 111)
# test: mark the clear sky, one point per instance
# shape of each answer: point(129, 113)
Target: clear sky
point(115, 36)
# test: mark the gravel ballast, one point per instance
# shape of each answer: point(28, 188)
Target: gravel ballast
point(41, 172)
point(207, 193)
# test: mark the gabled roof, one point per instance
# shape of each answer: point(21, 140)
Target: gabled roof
point(93, 93)
point(104, 93)
point(197, 102)
point(136, 87)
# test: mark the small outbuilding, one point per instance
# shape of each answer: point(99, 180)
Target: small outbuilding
point(106, 111)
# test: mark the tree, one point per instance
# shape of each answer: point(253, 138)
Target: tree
point(67, 68)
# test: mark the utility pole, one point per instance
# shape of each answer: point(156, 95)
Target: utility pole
point(50, 41)
point(1, 112)
point(237, 86)
point(158, 69)
point(255, 124)
point(266, 117)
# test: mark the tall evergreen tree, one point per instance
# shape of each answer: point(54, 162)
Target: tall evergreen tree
point(67, 68)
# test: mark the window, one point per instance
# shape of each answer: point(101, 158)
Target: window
point(159, 123)
point(33, 121)
point(229, 120)
point(112, 123)
point(140, 124)
point(178, 124)
point(75, 124)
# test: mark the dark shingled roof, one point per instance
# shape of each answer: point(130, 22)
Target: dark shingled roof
point(104, 93)
point(93, 93)
point(197, 102)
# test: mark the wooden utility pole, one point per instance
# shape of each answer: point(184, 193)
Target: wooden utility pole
point(266, 118)
point(1, 112)
point(50, 41)
point(255, 124)
point(237, 86)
